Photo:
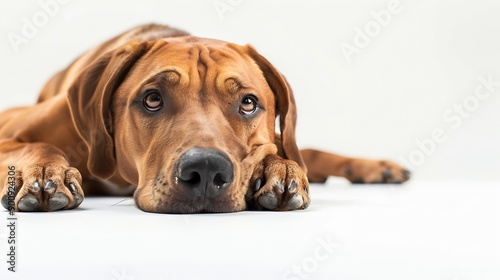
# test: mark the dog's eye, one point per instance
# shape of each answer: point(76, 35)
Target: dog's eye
point(153, 101)
point(248, 105)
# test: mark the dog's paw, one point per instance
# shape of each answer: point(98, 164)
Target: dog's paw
point(49, 187)
point(280, 185)
point(376, 172)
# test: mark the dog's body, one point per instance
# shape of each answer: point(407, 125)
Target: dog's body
point(189, 121)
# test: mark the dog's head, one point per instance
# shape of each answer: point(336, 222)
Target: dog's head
point(185, 119)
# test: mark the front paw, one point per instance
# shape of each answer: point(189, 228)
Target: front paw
point(47, 187)
point(280, 185)
point(376, 172)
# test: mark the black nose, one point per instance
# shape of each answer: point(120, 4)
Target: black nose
point(204, 172)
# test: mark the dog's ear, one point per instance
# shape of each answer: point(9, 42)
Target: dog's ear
point(285, 106)
point(89, 100)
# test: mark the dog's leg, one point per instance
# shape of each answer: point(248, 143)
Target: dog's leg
point(37, 177)
point(321, 165)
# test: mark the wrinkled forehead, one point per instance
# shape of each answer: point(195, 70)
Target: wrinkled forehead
point(194, 60)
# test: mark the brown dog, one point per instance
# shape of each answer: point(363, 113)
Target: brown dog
point(189, 121)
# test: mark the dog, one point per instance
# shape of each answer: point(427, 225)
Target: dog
point(182, 123)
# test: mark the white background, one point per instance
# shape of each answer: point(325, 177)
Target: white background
point(391, 95)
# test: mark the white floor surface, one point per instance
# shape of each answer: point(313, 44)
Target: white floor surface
point(421, 230)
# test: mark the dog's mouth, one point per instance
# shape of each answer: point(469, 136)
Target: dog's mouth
point(189, 205)
point(199, 205)
point(202, 180)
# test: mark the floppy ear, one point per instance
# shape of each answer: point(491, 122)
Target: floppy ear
point(89, 100)
point(285, 106)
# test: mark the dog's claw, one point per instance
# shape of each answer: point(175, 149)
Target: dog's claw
point(292, 187)
point(258, 184)
point(78, 200)
point(36, 186)
point(281, 186)
point(49, 187)
point(72, 188)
